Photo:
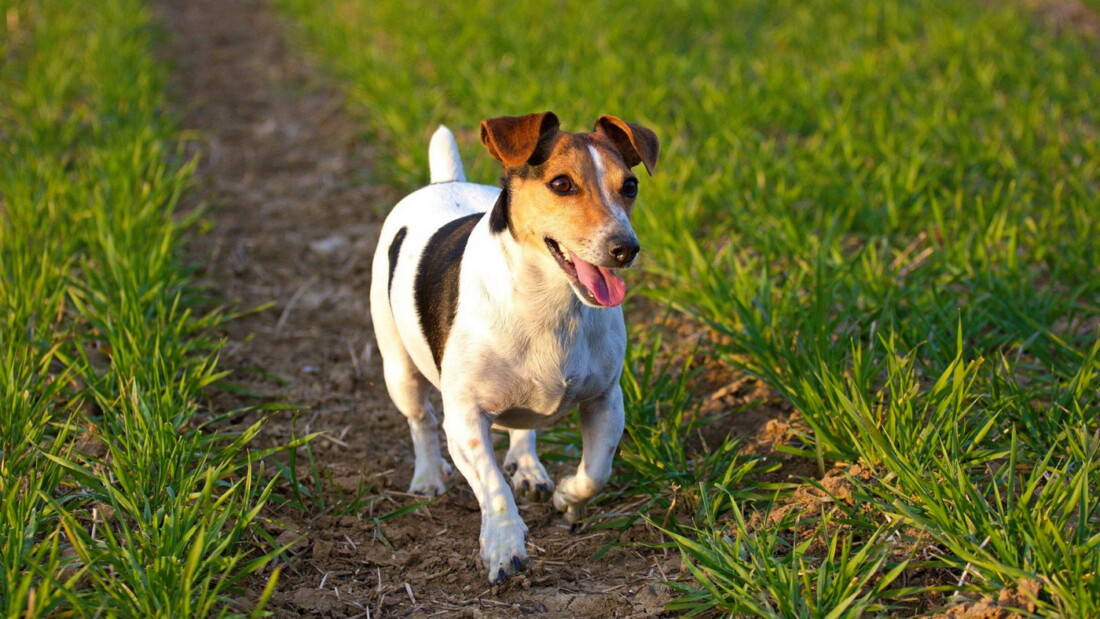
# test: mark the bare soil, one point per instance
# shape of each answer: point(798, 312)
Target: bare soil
point(1011, 603)
point(293, 224)
point(1067, 15)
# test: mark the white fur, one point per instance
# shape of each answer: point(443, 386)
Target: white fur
point(522, 352)
point(597, 161)
point(444, 160)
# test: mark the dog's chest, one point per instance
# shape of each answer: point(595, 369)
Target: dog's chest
point(551, 390)
point(545, 377)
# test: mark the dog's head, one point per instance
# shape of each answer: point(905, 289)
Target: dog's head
point(570, 195)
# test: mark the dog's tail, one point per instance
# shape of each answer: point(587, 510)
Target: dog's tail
point(444, 160)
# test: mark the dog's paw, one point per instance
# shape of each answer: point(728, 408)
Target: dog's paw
point(502, 548)
point(431, 481)
point(530, 482)
point(566, 502)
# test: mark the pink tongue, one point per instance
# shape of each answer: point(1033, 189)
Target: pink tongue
point(608, 288)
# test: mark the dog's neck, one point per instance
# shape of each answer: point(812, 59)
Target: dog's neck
point(524, 282)
point(539, 291)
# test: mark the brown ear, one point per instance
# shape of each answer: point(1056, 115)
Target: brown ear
point(635, 143)
point(513, 139)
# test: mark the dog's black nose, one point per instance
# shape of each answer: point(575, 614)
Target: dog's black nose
point(624, 250)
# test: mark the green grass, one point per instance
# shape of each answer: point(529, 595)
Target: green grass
point(765, 571)
point(114, 501)
point(887, 211)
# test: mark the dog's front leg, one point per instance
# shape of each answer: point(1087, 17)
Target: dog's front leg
point(502, 529)
point(602, 421)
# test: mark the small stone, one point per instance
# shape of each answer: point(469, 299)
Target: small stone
point(329, 245)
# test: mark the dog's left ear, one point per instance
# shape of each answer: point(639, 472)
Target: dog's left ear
point(512, 140)
point(635, 143)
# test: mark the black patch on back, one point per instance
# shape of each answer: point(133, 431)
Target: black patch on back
point(395, 251)
point(436, 287)
point(499, 221)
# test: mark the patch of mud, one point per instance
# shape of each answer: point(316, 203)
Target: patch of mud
point(293, 224)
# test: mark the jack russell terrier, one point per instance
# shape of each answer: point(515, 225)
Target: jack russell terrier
point(506, 300)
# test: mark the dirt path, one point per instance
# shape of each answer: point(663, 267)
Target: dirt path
point(293, 226)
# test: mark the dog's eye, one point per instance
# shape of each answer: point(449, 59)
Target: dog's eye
point(561, 185)
point(630, 188)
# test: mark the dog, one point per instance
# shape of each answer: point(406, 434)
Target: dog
point(507, 301)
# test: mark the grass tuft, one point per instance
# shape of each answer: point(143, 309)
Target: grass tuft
point(773, 571)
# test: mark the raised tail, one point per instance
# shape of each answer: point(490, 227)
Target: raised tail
point(444, 160)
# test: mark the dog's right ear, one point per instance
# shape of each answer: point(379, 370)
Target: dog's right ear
point(513, 139)
point(634, 142)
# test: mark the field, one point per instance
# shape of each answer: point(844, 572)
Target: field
point(864, 374)
point(887, 212)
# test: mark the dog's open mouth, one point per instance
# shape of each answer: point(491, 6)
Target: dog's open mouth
point(598, 285)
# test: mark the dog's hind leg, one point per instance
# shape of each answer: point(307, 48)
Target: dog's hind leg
point(409, 391)
point(529, 479)
point(602, 422)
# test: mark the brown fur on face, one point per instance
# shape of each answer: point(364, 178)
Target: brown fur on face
point(572, 220)
point(534, 151)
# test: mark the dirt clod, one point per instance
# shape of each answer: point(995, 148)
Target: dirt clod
point(1009, 603)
